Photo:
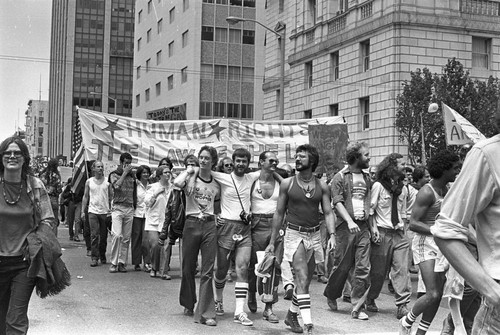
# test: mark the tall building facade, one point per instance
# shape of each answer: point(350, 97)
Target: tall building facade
point(188, 59)
point(91, 64)
point(349, 57)
point(36, 127)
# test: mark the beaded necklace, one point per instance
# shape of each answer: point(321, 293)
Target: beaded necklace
point(11, 202)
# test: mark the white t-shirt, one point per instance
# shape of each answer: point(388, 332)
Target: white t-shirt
point(261, 205)
point(230, 205)
point(358, 195)
point(155, 208)
point(203, 197)
point(98, 196)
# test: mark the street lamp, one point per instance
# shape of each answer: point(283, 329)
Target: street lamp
point(433, 108)
point(280, 32)
point(107, 96)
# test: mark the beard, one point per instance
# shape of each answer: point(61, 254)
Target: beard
point(301, 167)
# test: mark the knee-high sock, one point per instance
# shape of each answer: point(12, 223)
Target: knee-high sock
point(304, 301)
point(423, 327)
point(294, 307)
point(409, 319)
point(240, 290)
point(219, 288)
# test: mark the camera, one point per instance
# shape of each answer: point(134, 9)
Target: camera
point(246, 217)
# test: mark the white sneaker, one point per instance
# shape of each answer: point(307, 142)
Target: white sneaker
point(403, 330)
point(243, 319)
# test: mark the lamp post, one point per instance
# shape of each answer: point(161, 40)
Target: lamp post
point(433, 108)
point(280, 32)
point(107, 96)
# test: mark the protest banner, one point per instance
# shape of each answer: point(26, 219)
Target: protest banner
point(331, 142)
point(106, 136)
point(458, 129)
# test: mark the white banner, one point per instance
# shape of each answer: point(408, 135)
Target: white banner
point(458, 130)
point(106, 136)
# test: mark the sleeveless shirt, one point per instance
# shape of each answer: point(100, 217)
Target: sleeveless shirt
point(303, 211)
point(261, 205)
point(434, 209)
point(98, 197)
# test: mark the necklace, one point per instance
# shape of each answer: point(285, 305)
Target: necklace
point(11, 202)
point(309, 192)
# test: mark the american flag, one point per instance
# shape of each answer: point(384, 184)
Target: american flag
point(77, 136)
point(79, 165)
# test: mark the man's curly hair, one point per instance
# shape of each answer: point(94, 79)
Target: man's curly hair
point(353, 151)
point(387, 169)
point(440, 162)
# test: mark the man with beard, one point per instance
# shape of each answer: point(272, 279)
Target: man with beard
point(391, 246)
point(300, 198)
point(351, 198)
point(264, 197)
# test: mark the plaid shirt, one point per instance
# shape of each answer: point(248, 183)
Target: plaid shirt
point(40, 199)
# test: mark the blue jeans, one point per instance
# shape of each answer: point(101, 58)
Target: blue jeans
point(198, 235)
point(391, 254)
point(98, 235)
point(352, 251)
point(487, 321)
point(15, 294)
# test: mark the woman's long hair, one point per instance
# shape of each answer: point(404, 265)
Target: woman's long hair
point(52, 167)
point(387, 170)
point(26, 169)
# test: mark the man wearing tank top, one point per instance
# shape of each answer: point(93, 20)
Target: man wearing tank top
point(298, 204)
point(264, 197)
point(97, 197)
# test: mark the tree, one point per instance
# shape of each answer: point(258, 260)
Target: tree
point(474, 99)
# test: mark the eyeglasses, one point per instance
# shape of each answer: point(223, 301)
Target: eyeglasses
point(228, 165)
point(16, 153)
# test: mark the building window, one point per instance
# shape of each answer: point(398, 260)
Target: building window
point(171, 82)
point(207, 33)
point(171, 14)
point(248, 37)
point(205, 109)
point(148, 36)
point(219, 109)
point(185, 38)
point(220, 34)
point(184, 75)
point(481, 52)
point(185, 5)
point(159, 26)
point(281, 6)
point(233, 110)
point(308, 75)
point(311, 7)
point(221, 2)
point(246, 111)
point(138, 72)
point(334, 66)
point(334, 110)
point(146, 93)
point(158, 88)
point(158, 58)
point(248, 75)
point(234, 36)
point(234, 73)
point(308, 114)
point(150, 5)
point(365, 55)
point(147, 64)
point(208, 1)
point(139, 16)
point(139, 44)
point(220, 72)
point(171, 49)
point(207, 71)
point(249, 3)
point(137, 100)
point(364, 104)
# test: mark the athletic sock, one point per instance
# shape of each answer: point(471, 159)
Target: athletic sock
point(304, 301)
point(423, 326)
point(240, 291)
point(219, 288)
point(409, 319)
point(294, 308)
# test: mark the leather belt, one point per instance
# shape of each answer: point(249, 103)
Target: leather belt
point(267, 216)
point(303, 229)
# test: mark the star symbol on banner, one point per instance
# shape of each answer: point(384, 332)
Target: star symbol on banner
point(216, 129)
point(112, 127)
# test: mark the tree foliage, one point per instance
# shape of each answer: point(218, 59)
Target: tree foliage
point(474, 99)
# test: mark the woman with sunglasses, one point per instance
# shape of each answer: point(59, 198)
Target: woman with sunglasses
point(225, 165)
point(23, 197)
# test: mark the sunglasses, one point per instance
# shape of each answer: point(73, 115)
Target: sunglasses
point(228, 165)
point(16, 153)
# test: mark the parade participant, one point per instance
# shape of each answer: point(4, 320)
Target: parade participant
point(225, 165)
point(391, 246)
point(299, 199)
point(138, 238)
point(372, 170)
point(475, 197)
point(52, 181)
point(351, 196)
point(443, 168)
point(24, 198)
point(164, 162)
point(199, 234)
point(156, 204)
point(122, 213)
point(97, 196)
point(264, 197)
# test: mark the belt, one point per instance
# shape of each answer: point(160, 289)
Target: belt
point(11, 259)
point(387, 230)
point(267, 216)
point(302, 229)
point(201, 218)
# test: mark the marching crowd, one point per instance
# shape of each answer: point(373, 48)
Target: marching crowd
point(366, 224)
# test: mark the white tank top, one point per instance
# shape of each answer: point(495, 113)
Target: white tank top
point(261, 205)
point(98, 197)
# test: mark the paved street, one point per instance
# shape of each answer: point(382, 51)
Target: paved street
point(99, 302)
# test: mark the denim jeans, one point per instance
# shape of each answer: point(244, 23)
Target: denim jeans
point(352, 250)
point(74, 218)
point(139, 242)
point(487, 321)
point(391, 254)
point(198, 235)
point(15, 294)
point(121, 229)
point(98, 235)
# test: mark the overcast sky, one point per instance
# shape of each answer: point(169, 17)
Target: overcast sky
point(24, 58)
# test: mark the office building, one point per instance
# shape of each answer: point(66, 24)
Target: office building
point(36, 127)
